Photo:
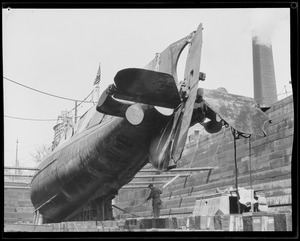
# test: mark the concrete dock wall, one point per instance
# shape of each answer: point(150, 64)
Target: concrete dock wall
point(266, 166)
point(17, 205)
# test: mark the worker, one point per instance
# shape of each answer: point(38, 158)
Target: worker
point(156, 201)
point(244, 208)
point(255, 205)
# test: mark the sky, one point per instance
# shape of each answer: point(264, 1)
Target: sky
point(58, 51)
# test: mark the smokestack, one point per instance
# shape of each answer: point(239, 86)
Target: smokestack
point(265, 92)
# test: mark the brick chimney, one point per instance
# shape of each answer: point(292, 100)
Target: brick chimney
point(265, 92)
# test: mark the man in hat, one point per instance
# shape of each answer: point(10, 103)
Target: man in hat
point(156, 201)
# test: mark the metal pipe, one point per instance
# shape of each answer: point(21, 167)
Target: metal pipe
point(180, 169)
point(140, 183)
point(17, 161)
point(14, 175)
point(161, 176)
point(17, 187)
point(14, 183)
point(46, 202)
point(125, 211)
point(134, 186)
point(23, 168)
point(169, 182)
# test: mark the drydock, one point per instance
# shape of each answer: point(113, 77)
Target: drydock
point(264, 164)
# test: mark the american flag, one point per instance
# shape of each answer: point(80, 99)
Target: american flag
point(98, 77)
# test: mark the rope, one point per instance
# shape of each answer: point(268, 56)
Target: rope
point(250, 172)
point(235, 162)
point(234, 133)
point(250, 168)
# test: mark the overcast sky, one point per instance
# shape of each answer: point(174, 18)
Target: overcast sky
point(58, 51)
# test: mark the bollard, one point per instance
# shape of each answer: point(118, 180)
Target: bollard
point(210, 223)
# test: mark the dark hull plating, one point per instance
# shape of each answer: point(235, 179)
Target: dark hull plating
point(96, 162)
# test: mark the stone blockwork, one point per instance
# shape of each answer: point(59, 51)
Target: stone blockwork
point(276, 221)
point(266, 167)
point(264, 163)
point(17, 205)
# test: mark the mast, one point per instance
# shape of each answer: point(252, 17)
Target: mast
point(17, 161)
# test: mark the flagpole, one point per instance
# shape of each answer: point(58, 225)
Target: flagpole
point(75, 111)
point(96, 84)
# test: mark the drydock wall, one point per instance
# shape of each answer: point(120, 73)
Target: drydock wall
point(17, 204)
point(266, 167)
point(270, 167)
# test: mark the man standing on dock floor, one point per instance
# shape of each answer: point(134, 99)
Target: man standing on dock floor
point(156, 201)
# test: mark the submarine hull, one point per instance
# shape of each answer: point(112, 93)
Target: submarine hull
point(96, 162)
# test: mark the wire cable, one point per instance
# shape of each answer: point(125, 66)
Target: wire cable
point(42, 92)
point(28, 119)
point(82, 101)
